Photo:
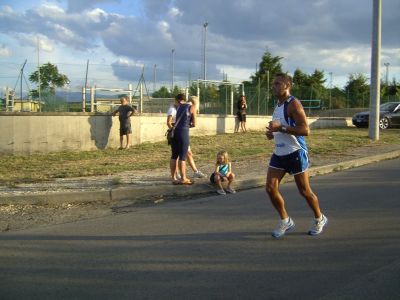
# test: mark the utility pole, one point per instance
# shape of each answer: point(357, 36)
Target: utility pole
point(172, 69)
point(39, 91)
point(205, 25)
point(22, 74)
point(85, 88)
point(330, 92)
point(373, 130)
point(387, 73)
point(267, 90)
point(154, 78)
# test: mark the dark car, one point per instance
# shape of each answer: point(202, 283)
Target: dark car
point(389, 116)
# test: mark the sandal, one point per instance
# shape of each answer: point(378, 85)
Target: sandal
point(188, 182)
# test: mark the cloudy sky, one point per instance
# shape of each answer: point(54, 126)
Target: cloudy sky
point(120, 38)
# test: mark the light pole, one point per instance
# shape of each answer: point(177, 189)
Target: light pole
point(373, 128)
point(204, 52)
point(267, 90)
point(154, 78)
point(330, 92)
point(172, 69)
point(387, 73)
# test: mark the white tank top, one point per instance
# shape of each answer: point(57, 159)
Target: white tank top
point(286, 143)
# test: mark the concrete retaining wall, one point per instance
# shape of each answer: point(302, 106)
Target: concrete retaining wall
point(26, 133)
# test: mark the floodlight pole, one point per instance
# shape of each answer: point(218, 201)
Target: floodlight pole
point(375, 71)
point(39, 90)
point(172, 70)
point(387, 73)
point(205, 25)
point(154, 78)
point(267, 90)
point(330, 92)
point(22, 74)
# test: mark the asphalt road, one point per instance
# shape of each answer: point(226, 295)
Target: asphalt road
point(220, 248)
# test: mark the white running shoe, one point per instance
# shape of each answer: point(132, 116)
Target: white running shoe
point(199, 174)
point(318, 226)
point(231, 190)
point(221, 192)
point(283, 227)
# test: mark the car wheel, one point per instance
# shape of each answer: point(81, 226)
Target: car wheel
point(384, 123)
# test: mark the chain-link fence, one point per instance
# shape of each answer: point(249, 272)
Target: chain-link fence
point(216, 100)
point(152, 89)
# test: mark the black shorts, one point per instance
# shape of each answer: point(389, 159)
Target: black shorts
point(241, 117)
point(125, 128)
point(212, 178)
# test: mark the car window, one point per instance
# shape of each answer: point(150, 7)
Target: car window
point(390, 106)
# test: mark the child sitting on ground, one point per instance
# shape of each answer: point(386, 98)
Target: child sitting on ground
point(223, 172)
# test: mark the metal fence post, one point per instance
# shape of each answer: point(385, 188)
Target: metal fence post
point(92, 99)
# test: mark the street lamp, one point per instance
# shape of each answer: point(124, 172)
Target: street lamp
point(204, 52)
point(154, 78)
point(330, 92)
point(172, 69)
point(387, 73)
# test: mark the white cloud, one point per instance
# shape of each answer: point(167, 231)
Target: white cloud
point(4, 51)
point(97, 15)
point(64, 33)
point(125, 62)
point(6, 10)
point(175, 12)
point(49, 10)
point(235, 74)
point(163, 27)
point(31, 40)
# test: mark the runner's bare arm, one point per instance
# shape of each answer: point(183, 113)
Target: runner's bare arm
point(296, 112)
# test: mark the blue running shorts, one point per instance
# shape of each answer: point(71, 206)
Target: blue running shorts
point(293, 163)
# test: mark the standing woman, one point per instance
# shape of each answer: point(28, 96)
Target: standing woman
point(241, 113)
point(185, 118)
point(171, 117)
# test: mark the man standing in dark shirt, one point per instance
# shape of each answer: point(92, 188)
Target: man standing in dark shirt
point(124, 111)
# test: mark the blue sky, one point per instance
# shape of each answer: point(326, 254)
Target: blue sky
point(121, 38)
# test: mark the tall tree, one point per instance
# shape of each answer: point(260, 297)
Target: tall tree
point(162, 92)
point(268, 67)
point(316, 82)
point(357, 90)
point(390, 92)
point(309, 86)
point(300, 84)
point(299, 78)
point(50, 78)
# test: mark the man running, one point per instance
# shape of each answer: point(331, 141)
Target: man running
point(288, 128)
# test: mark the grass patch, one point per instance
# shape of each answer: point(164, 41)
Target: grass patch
point(241, 147)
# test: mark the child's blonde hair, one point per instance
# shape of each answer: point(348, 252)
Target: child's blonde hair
point(194, 100)
point(225, 155)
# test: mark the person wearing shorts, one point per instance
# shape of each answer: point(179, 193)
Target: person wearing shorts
point(171, 116)
point(185, 118)
point(288, 128)
point(124, 112)
point(241, 114)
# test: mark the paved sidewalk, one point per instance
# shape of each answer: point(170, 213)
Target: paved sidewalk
point(156, 187)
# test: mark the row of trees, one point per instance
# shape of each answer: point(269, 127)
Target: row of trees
point(356, 92)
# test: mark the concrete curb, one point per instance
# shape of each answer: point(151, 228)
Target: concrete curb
point(158, 193)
